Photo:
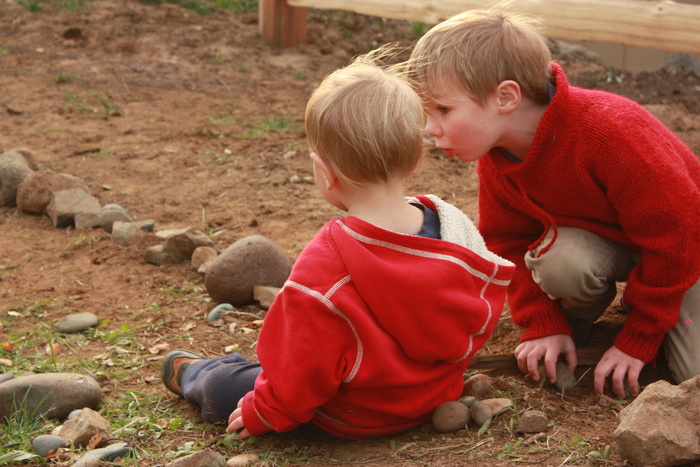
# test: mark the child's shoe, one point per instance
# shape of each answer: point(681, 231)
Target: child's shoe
point(174, 366)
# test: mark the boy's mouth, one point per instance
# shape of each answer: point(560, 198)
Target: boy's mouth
point(448, 152)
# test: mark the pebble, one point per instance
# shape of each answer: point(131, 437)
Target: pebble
point(451, 416)
point(44, 444)
point(565, 378)
point(532, 421)
point(487, 409)
point(468, 400)
point(205, 458)
point(218, 310)
point(76, 322)
point(109, 453)
point(111, 213)
point(242, 460)
point(478, 385)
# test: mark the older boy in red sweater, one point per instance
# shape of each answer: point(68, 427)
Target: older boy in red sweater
point(580, 188)
point(383, 309)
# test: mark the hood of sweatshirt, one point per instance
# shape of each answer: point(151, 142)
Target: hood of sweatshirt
point(439, 300)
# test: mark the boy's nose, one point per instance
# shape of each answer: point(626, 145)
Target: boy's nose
point(431, 128)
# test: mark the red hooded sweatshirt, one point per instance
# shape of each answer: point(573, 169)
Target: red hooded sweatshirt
point(374, 329)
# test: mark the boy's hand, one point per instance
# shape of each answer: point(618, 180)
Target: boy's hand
point(235, 421)
point(529, 353)
point(619, 364)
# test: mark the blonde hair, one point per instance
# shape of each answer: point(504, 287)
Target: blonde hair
point(477, 50)
point(366, 121)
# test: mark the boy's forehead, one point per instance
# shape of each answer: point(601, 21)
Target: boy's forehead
point(442, 89)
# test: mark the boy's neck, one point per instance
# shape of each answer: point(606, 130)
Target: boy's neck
point(523, 126)
point(384, 205)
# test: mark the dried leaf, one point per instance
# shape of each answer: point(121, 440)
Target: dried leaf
point(5, 362)
point(8, 346)
point(53, 349)
point(156, 349)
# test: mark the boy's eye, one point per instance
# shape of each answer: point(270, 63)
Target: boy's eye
point(442, 110)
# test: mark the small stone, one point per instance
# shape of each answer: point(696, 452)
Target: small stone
point(265, 295)
point(123, 233)
point(205, 458)
point(108, 453)
point(478, 385)
point(480, 413)
point(242, 460)
point(79, 428)
point(202, 257)
point(111, 213)
point(451, 416)
point(218, 310)
point(43, 445)
point(76, 322)
point(468, 400)
point(532, 421)
point(565, 378)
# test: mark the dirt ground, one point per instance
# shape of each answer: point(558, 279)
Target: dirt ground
point(192, 121)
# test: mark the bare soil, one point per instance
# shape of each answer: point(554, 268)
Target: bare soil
point(194, 122)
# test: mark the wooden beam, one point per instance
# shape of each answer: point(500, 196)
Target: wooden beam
point(661, 25)
point(280, 24)
point(586, 356)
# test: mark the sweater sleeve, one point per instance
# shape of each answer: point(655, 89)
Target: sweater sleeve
point(509, 232)
point(651, 179)
point(296, 377)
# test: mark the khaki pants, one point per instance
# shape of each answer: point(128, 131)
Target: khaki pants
point(580, 271)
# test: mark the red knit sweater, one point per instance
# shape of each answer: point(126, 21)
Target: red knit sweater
point(598, 162)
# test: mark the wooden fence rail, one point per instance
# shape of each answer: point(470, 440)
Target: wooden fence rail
point(661, 25)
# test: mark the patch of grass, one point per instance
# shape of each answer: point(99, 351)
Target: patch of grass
point(206, 7)
point(300, 74)
point(74, 5)
point(31, 5)
point(418, 28)
point(270, 124)
point(19, 429)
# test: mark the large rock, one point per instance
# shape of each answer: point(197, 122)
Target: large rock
point(15, 165)
point(35, 192)
point(53, 395)
point(662, 425)
point(251, 261)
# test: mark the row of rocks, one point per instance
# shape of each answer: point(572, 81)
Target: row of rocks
point(229, 276)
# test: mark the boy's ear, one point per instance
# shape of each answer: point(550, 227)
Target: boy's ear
point(329, 176)
point(509, 96)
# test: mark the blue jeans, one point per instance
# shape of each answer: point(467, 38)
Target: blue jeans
point(217, 384)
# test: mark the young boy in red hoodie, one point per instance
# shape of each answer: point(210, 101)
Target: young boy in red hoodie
point(579, 188)
point(384, 308)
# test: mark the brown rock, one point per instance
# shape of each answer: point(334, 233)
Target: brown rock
point(35, 192)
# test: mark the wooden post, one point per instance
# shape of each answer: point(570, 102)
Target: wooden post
point(281, 25)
